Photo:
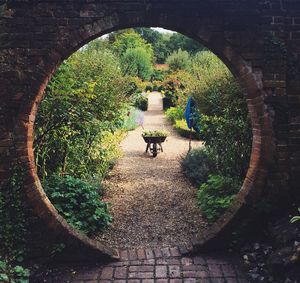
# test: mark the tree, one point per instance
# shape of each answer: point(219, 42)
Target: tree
point(113, 36)
point(137, 62)
point(158, 42)
point(130, 40)
point(179, 60)
point(149, 35)
point(180, 41)
point(84, 99)
point(135, 54)
point(97, 44)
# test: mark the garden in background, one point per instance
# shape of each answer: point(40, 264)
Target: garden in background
point(95, 97)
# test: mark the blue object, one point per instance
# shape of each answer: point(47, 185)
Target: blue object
point(191, 114)
point(187, 113)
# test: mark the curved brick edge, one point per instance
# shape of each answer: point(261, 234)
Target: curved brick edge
point(250, 81)
point(62, 230)
point(83, 246)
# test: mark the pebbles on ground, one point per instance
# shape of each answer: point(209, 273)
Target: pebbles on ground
point(152, 203)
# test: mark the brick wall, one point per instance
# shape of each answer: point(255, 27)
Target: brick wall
point(259, 40)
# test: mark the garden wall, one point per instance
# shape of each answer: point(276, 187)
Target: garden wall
point(259, 40)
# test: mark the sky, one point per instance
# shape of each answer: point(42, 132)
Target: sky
point(162, 30)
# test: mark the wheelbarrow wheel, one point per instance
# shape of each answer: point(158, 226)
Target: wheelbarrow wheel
point(154, 150)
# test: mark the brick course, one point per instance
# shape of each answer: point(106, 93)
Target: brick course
point(223, 270)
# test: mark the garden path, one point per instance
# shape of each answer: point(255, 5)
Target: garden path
point(155, 215)
point(153, 204)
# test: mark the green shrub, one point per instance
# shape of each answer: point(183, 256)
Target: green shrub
point(171, 87)
point(197, 165)
point(161, 88)
point(175, 113)
point(229, 138)
point(109, 151)
point(79, 202)
point(179, 60)
point(141, 102)
point(175, 89)
point(133, 87)
point(183, 130)
point(13, 274)
point(156, 85)
point(158, 75)
point(14, 217)
point(225, 124)
point(86, 97)
point(216, 195)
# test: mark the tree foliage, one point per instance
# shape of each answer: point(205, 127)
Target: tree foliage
point(179, 60)
point(130, 40)
point(166, 44)
point(135, 53)
point(83, 101)
point(137, 62)
point(179, 41)
point(225, 123)
point(158, 42)
point(225, 129)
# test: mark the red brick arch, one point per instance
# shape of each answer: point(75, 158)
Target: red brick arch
point(69, 26)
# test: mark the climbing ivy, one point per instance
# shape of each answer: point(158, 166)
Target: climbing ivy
point(14, 227)
point(14, 231)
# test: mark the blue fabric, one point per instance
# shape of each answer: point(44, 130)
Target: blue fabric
point(191, 114)
point(187, 113)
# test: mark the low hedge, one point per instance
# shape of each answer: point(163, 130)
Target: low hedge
point(175, 113)
point(183, 130)
point(141, 102)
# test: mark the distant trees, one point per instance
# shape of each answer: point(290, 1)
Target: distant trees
point(129, 39)
point(179, 60)
point(179, 41)
point(135, 53)
point(158, 42)
point(166, 44)
point(137, 62)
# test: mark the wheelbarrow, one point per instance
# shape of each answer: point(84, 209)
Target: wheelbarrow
point(154, 144)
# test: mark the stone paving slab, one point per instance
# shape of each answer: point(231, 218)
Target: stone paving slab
point(161, 265)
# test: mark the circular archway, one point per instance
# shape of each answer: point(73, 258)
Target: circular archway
point(208, 30)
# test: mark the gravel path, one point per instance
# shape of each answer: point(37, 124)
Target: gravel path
point(153, 205)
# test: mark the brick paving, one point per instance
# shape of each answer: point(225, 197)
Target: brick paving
point(165, 265)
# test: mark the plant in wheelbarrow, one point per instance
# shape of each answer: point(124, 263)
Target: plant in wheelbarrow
point(154, 139)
